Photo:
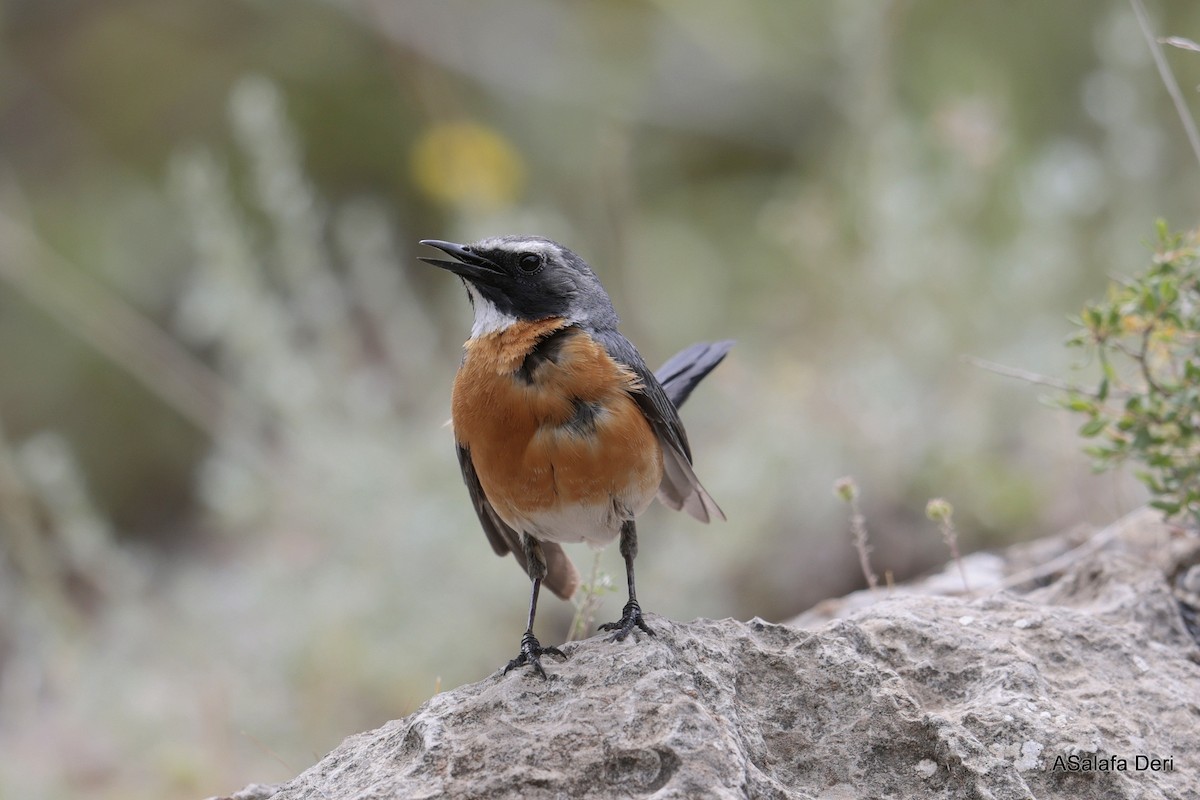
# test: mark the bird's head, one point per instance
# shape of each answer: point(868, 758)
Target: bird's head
point(510, 278)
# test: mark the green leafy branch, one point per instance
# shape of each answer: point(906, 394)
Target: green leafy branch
point(1145, 336)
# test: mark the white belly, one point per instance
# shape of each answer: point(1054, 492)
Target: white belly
point(597, 524)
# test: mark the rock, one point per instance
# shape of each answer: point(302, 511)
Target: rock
point(1141, 535)
point(1002, 696)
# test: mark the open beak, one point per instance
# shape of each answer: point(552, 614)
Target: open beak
point(467, 264)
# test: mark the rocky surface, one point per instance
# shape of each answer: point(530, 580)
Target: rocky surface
point(896, 695)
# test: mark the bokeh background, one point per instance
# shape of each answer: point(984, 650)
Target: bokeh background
point(232, 528)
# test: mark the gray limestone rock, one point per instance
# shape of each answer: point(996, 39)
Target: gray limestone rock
point(908, 696)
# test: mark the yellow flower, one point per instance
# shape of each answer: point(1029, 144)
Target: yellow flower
point(1132, 323)
point(467, 165)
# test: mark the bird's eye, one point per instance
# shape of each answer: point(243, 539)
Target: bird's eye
point(530, 263)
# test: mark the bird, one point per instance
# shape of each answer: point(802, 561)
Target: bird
point(563, 433)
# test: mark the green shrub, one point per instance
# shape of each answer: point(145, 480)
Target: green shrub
point(1145, 337)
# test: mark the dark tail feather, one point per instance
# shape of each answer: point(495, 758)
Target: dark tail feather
point(688, 367)
point(561, 576)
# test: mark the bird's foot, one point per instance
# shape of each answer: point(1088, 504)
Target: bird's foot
point(531, 652)
point(631, 617)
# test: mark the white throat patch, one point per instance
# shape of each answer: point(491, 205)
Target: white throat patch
point(488, 318)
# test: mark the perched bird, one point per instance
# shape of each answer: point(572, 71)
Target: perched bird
point(563, 433)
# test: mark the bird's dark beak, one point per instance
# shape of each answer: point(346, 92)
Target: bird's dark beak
point(468, 265)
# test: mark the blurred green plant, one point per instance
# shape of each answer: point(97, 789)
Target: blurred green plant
point(940, 510)
point(588, 600)
point(846, 489)
point(1145, 337)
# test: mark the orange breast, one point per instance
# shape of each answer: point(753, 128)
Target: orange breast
point(563, 433)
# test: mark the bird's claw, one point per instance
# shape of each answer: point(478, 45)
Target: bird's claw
point(531, 653)
point(631, 617)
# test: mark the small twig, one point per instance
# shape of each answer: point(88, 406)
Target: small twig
point(1024, 375)
point(268, 750)
point(1181, 42)
point(1144, 361)
point(1168, 77)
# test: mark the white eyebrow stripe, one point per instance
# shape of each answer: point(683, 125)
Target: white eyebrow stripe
point(540, 246)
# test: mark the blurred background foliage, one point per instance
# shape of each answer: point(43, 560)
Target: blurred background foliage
point(232, 526)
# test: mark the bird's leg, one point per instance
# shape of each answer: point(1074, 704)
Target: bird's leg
point(631, 615)
point(531, 648)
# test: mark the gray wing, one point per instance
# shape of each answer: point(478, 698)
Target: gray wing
point(680, 488)
point(561, 576)
point(684, 370)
